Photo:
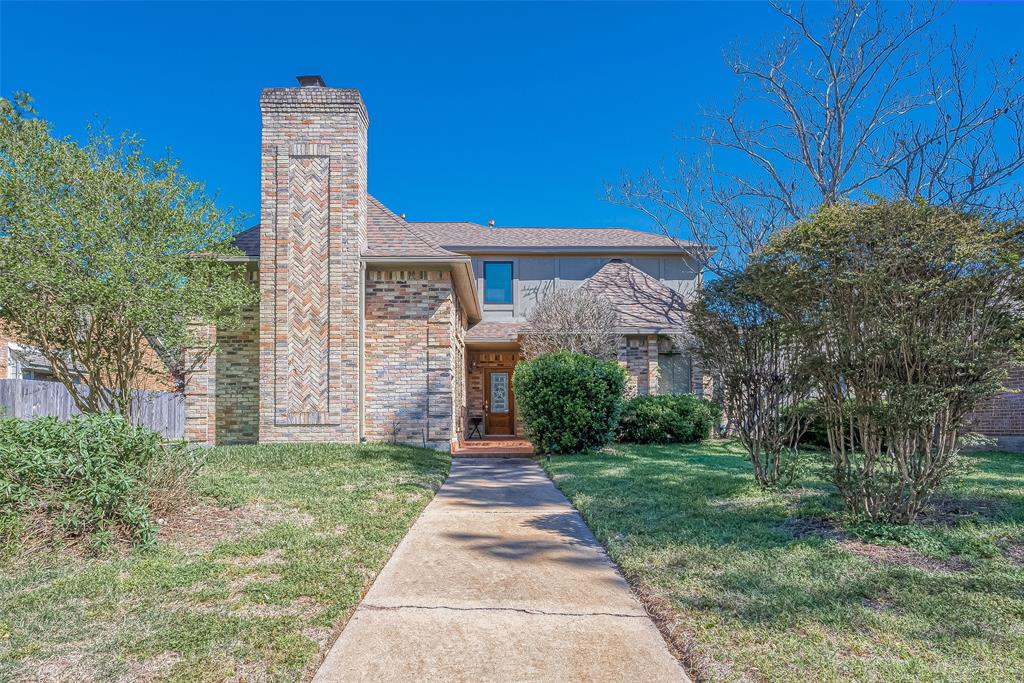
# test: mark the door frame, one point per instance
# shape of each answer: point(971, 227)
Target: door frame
point(511, 401)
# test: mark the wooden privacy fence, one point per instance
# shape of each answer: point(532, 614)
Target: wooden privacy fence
point(163, 412)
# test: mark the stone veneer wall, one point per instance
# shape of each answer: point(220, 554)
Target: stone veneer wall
point(312, 228)
point(413, 337)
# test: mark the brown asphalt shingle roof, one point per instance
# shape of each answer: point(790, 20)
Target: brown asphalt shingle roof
point(494, 332)
point(387, 235)
point(456, 235)
point(390, 235)
point(640, 300)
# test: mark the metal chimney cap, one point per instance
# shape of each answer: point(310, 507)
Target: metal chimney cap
point(314, 81)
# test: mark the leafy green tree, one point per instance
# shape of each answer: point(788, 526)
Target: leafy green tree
point(759, 364)
point(103, 251)
point(911, 315)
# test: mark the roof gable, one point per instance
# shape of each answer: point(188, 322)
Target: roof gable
point(640, 300)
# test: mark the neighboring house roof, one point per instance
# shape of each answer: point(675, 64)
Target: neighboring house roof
point(248, 242)
point(29, 358)
point(641, 301)
point(466, 236)
point(494, 332)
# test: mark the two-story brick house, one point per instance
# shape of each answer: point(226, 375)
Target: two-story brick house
point(371, 327)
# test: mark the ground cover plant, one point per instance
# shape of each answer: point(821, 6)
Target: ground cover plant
point(755, 585)
point(96, 478)
point(251, 583)
point(569, 402)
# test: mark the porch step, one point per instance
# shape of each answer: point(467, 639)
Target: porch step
point(492, 448)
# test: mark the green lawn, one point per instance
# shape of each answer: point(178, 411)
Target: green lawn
point(775, 587)
point(251, 584)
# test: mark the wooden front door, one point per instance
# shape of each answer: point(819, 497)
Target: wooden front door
point(499, 415)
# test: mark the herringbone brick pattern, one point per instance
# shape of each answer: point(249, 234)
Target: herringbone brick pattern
point(308, 290)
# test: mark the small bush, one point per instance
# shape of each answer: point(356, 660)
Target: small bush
point(92, 475)
point(816, 432)
point(668, 419)
point(569, 402)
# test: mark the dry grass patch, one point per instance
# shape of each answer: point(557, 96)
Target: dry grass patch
point(252, 582)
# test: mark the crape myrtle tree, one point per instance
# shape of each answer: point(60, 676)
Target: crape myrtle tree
point(104, 251)
point(759, 361)
point(846, 100)
point(576, 320)
point(909, 315)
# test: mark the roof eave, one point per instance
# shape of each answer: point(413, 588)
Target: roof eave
point(604, 250)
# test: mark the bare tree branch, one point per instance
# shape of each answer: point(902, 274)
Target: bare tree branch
point(859, 101)
point(577, 320)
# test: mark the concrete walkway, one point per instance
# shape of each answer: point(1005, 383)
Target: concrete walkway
point(499, 580)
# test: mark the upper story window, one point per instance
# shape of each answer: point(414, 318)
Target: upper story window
point(498, 282)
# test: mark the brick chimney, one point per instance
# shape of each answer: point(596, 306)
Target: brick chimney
point(313, 225)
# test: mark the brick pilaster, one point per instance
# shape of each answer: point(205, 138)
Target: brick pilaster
point(201, 390)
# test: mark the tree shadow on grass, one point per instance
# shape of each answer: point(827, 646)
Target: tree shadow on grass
point(693, 522)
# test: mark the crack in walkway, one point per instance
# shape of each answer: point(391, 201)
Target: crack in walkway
point(521, 610)
point(495, 545)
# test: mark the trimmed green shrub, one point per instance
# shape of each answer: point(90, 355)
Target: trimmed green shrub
point(569, 402)
point(816, 433)
point(91, 475)
point(682, 418)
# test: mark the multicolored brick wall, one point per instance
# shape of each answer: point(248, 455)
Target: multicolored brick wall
point(459, 323)
point(1002, 418)
point(639, 355)
point(413, 337)
point(313, 224)
point(237, 372)
point(5, 340)
point(201, 390)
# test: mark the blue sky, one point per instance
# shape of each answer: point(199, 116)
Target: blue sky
point(517, 112)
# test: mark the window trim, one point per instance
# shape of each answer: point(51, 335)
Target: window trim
point(511, 283)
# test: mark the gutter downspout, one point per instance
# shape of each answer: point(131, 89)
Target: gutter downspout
point(362, 343)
